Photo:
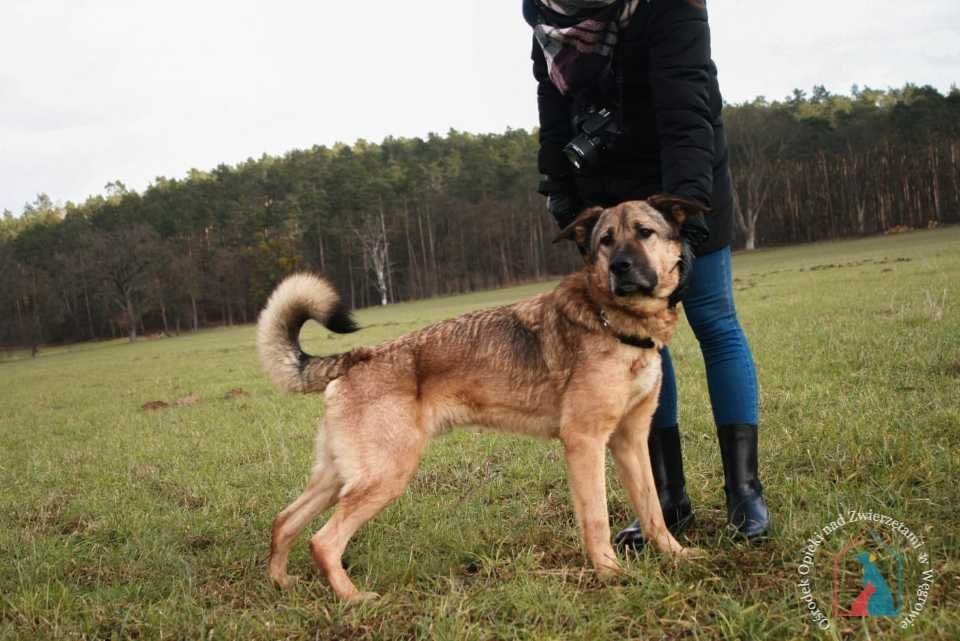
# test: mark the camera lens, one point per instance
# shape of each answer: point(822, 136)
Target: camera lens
point(582, 151)
point(573, 156)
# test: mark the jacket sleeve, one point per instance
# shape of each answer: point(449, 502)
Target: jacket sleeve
point(555, 126)
point(679, 41)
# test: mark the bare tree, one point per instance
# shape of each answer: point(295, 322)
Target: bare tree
point(123, 260)
point(757, 151)
point(372, 235)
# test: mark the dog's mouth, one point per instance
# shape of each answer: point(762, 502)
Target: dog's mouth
point(625, 289)
point(623, 286)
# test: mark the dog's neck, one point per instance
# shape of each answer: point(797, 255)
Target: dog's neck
point(644, 342)
point(602, 312)
point(657, 325)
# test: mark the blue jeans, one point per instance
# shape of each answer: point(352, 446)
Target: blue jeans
point(731, 375)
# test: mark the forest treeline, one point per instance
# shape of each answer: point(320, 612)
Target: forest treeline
point(413, 218)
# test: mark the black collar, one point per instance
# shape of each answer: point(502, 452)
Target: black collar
point(644, 342)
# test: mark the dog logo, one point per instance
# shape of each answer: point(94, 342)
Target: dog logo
point(868, 578)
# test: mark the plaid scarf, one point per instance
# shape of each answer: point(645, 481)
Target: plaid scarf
point(578, 38)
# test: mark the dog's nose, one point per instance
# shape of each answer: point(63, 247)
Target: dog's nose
point(621, 264)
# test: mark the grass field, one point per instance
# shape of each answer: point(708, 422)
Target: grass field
point(117, 522)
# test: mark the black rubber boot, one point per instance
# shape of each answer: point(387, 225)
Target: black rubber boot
point(746, 509)
point(666, 459)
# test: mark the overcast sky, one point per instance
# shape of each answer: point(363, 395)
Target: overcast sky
point(98, 90)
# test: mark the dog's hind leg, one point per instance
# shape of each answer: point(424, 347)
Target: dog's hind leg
point(321, 492)
point(632, 457)
point(585, 454)
point(382, 456)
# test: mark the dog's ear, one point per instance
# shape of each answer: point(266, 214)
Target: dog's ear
point(676, 208)
point(580, 229)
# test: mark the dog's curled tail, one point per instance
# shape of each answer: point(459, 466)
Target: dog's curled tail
point(298, 298)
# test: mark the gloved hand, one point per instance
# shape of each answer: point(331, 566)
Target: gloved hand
point(564, 208)
point(685, 265)
point(563, 203)
point(695, 230)
point(693, 233)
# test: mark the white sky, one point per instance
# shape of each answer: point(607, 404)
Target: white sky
point(98, 90)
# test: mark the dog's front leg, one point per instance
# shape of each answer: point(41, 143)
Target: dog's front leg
point(631, 454)
point(585, 454)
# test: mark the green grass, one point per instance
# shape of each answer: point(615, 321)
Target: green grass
point(121, 523)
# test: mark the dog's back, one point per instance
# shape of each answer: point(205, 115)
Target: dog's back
point(496, 367)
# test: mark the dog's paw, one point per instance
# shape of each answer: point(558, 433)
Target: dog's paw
point(284, 581)
point(609, 571)
point(359, 598)
point(690, 554)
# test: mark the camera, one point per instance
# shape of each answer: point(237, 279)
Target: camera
point(597, 130)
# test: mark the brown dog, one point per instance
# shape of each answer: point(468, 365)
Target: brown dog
point(579, 363)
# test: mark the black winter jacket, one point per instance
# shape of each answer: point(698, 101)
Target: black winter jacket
point(668, 95)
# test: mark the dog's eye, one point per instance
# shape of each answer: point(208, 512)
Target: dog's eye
point(644, 232)
point(607, 239)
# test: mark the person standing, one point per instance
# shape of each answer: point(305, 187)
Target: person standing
point(629, 106)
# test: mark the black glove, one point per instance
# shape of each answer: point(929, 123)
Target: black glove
point(695, 231)
point(685, 265)
point(563, 203)
point(564, 208)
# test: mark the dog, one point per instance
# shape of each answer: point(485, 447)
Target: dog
point(580, 363)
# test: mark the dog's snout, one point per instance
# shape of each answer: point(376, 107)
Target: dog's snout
point(621, 264)
point(631, 274)
point(646, 281)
